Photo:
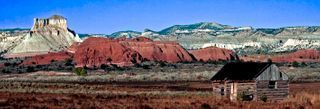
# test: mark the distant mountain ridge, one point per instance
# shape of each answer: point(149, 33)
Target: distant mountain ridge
point(14, 29)
point(242, 39)
point(216, 29)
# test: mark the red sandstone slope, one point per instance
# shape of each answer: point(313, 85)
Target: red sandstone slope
point(158, 51)
point(213, 54)
point(47, 58)
point(73, 47)
point(299, 56)
point(96, 51)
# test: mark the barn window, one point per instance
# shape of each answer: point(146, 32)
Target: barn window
point(222, 91)
point(272, 84)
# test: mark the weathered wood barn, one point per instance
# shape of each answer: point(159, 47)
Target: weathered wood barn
point(251, 81)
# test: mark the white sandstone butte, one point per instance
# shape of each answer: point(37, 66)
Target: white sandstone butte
point(46, 35)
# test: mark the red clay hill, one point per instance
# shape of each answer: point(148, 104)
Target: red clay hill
point(47, 58)
point(150, 50)
point(298, 56)
point(95, 51)
point(213, 54)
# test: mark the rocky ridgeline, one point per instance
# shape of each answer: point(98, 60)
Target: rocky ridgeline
point(98, 51)
point(213, 29)
point(213, 54)
point(240, 39)
point(54, 21)
point(53, 35)
point(297, 44)
point(46, 35)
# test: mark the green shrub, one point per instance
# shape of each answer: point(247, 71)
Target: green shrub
point(69, 62)
point(295, 64)
point(162, 63)
point(264, 98)
point(30, 69)
point(7, 64)
point(146, 67)
point(205, 106)
point(245, 96)
point(80, 71)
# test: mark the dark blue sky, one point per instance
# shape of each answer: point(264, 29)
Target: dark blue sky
point(107, 16)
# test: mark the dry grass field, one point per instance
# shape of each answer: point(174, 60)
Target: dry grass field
point(183, 88)
point(143, 95)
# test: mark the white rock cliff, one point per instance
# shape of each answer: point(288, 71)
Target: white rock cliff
point(46, 35)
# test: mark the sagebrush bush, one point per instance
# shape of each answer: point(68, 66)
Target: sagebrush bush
point(244, 96)
point(264, 98)
point(80, 71)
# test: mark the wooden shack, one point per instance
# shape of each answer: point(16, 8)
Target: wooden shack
point(252, 81)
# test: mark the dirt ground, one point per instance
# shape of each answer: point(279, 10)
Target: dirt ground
point(142, 96)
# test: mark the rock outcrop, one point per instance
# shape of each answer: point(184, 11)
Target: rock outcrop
point(47, 58)
point(213, 54)
point(297, 44)
point(299, 56)
point(95, 51)
point(47, 35)
point(158, 51)
point(309, 55)
point(9, 38)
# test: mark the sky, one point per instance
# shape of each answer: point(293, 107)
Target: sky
point(108, 16)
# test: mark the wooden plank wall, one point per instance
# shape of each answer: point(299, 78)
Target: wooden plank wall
point(279, 93)
point(239, 87)
point(249, 87)
point(272, 73)
point(216, 87)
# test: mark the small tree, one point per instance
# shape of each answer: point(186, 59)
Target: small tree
point(245, 95)
point(205, 106)
point(7, 64)
point(264, 98)
point(295, 64)
point(105, 67)
point(30, 69)
point(269, 60)
point(80, 71)
point(69, 62)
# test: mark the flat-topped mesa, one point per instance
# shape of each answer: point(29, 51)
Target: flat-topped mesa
point(53, 21)
point(46, 35)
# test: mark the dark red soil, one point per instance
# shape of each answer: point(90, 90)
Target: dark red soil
point(145, 101)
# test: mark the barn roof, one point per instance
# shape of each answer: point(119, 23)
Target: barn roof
point(240, 71)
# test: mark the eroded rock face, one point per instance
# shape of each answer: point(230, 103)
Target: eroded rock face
point(213, 54)
point(299, 56)
point(47, 58)
point(158, 51)
point(95, 51)
point(73, 48)
point(9, 38)
point(308, 55)
point(47, 35)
